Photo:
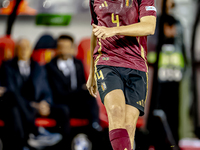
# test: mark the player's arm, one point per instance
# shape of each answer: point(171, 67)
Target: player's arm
point(145, 27)
point(92, 47)
point(91, 83)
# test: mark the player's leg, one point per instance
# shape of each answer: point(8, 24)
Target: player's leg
point(115, 106)
point(136, 93)
point(131, 117)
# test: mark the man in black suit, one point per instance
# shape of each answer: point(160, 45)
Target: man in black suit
point(67, 81)
point(28, 96)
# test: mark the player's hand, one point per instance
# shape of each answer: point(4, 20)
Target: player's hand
point(91, 85)
point(102, 32)
point(2, 90)
point(43, 107)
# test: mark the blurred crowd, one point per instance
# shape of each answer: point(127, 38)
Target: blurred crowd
point(55, 90)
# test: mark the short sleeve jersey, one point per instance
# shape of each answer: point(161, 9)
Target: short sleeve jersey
point(121, 51)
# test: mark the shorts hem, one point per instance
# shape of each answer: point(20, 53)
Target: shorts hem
point(141, 109)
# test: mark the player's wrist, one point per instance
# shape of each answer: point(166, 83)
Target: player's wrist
point(116, 30)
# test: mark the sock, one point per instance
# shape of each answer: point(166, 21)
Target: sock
point(119, 139)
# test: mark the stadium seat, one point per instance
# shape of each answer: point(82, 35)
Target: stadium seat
point(47, 122)
point(43, 56)
point(84, 55)
point(7, 47)
point(2, 124)
point(75, 122)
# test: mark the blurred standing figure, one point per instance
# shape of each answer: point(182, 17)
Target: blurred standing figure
point(67, 82)
point(168, 60)
point(152, 41)
point(27, 97)
point(171, 66)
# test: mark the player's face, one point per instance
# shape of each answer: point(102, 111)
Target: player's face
point(169, 31)
point(24, 50)
point(65, 48)
point(170, 4)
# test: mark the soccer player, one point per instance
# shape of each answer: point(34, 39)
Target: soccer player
point(119, 63)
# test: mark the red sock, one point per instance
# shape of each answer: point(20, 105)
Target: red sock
point(119, 139)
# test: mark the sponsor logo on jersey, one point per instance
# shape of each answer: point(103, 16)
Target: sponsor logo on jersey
point(105, 58)
point(150, 8)
point(103, 86)
point(129, 3)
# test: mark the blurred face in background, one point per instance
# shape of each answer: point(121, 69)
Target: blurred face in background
point(23, 50)
point(169, 5)
point(65, 49)
point(169, 31)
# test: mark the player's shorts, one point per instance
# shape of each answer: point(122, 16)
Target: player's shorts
point(133, 83)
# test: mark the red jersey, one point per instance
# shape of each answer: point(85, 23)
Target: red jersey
point(121, 51)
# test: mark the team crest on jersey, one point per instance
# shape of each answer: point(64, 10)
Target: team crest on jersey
point(129, 3)
point(103, 86)
point(150, 8)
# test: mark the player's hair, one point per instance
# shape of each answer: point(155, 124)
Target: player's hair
point(170, 20)
point(66, 37)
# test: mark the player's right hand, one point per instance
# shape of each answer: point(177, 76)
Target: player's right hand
point(91, 85)
point(2, 90)
point(44, 108)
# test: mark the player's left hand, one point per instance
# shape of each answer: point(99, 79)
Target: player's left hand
point(43, 107)
point(102, 32)
point(2, 90)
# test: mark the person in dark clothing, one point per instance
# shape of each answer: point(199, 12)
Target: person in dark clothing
point(169, 70)
point(28, 96)
point(67, 82)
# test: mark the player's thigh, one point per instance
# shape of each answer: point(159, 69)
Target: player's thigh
point(136, 90)
point(108, 80)
point(115, 103)
point(110, 87)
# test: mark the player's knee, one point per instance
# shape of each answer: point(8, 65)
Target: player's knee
point(130, 128)
point(116, 111)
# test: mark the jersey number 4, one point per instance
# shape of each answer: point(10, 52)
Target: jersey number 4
point(99, 75)
point(115, 20)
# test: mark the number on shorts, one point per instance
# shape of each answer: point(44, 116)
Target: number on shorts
point(99, 75)
point(115, 20)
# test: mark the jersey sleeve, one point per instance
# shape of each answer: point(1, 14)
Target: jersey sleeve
point(93, 14)
point(147, 8)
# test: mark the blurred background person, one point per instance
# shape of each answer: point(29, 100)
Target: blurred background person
point(28, 96)
point(67, 82)
point(167, 59)
point(44, 50)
